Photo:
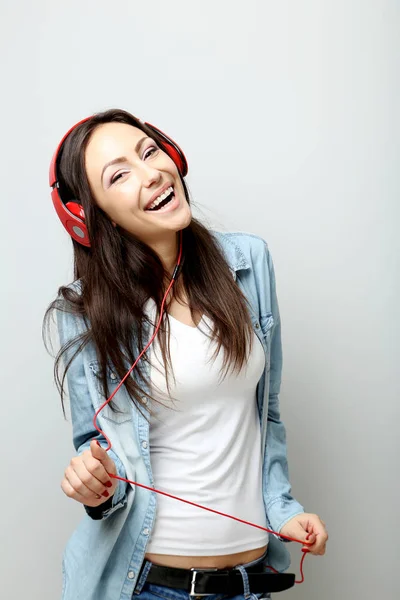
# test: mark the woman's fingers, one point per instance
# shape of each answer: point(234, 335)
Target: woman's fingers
point(72, 493)
point(83, 482)
point(99, 453)
point(310, 539)
point(320, 535)
point(96, 469)
point(87, 477)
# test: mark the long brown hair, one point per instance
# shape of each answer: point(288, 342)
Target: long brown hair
point(119, 273)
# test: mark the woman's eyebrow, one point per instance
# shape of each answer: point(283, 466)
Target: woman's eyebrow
point(123, 158)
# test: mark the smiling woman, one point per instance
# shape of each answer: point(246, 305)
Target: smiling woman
point(140, 258)
point(126, 187)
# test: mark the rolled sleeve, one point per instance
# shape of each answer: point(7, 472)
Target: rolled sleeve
point(82, 411)
point(280, 504)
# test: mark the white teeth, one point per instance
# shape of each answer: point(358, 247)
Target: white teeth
point(161, 198)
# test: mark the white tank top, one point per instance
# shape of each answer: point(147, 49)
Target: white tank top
point(205, 447)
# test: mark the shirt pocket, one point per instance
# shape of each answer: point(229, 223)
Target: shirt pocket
point(266, 324)
point(123, 404)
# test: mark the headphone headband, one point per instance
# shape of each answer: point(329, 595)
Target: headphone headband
point(71, 214)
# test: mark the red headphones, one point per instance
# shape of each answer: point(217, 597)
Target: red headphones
point(71, 214)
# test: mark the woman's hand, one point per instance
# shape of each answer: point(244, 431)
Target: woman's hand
point(308, 528)
point(86, 477)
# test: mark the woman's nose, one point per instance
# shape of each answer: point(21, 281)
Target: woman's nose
point(149, 175)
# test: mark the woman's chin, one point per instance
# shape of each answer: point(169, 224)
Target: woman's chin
point(181, 221)
point(188, 219)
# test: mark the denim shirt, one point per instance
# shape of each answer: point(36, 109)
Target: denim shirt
point(104, 555)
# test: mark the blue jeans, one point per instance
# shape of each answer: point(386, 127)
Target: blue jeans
point(149, 591)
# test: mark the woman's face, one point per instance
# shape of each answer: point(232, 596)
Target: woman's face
point(140, 172)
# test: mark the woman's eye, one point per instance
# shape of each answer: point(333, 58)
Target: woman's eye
point(150, 151)
point(116, 177)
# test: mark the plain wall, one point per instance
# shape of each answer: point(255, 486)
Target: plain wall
point(288, 113)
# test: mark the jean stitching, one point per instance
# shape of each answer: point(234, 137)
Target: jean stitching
point(143, 577)
point(246, 587)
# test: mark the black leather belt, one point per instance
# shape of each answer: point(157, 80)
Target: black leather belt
point(204, 582)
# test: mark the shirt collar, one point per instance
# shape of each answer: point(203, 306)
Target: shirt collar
point(233, 253)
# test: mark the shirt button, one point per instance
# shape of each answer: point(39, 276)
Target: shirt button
point(144, 444)
point(113, 376)
point(131, 575)
point(146, 531)
point(257, 326)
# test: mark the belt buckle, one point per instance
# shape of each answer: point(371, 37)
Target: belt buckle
point(193, 582)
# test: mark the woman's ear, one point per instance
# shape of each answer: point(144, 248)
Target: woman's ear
point(114, 224)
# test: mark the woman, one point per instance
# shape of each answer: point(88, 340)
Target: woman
point(191, 418)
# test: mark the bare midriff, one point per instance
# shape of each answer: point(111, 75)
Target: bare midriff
point(224, 561)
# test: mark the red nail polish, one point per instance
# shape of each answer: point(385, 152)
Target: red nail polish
point(105, 494)
point(108, 484)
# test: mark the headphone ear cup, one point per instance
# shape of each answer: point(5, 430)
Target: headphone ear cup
point(75, 224)
point(173, 150)
point(176, 157)
point(76, 209)
point(72, 217)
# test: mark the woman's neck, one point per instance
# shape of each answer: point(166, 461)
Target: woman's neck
point(167, 250)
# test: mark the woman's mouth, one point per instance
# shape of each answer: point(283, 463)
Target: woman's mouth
point(165, 203)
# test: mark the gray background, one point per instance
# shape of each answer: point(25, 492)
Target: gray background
point(288, 114)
